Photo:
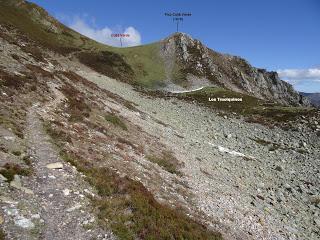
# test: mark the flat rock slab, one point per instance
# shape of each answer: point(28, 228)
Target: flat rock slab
point(16, 183)
point(57, 165)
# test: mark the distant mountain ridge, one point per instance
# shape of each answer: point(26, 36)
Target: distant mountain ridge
point(313, 97)
point(177, 62)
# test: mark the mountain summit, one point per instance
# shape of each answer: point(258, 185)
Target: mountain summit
point(189, 62)
point(177, 62)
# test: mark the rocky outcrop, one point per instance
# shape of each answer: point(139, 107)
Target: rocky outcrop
point(231, 72)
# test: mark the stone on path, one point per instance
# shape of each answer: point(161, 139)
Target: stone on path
point(16, 183)
point(56, 165)
point(24, 223)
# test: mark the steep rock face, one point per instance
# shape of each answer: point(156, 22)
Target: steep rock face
point(194, 59)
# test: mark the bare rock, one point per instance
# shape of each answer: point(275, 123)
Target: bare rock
point(57, 165)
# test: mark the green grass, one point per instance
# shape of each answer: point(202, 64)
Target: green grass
point(146, 63)
point(257, 110)
point(66, 40)
point(108, 63)
point(139, 65)
point(116, 121)
point(248, 104)
point(167, 161)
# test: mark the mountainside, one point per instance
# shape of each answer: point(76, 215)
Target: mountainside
point(314, 98)
point(194, 61)
point(87, 151)
point(175, 63)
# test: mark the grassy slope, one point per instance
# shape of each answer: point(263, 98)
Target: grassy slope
point(144, 60)
point(21, 19)
point(139, 65)
point(250, 106)
point(146, 63)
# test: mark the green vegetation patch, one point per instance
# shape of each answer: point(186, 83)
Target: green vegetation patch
point(167, 161)
point(140, 65)
point(115, 120)
point(108, 63)
point(247, 106)
point(257, 110)
point(146, 64)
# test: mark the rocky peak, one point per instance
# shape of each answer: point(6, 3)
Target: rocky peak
point(195, 60)
point(186, 46)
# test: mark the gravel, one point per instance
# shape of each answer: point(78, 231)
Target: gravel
point(246, 190)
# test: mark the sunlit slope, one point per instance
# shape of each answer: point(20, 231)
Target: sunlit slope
point(141, 65)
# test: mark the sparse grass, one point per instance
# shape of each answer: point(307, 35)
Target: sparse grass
point(11, 122)
point(11, 81)
point(302, 151)
point(35, 53)
point(57, 133)
point(9, 170)
point(2, 234)
point(127, 208)
point(247, 106)
point(3, 148)
point(130, 210)
point(39, 71)
point(254, 109)
point(27, 160)
point(274, 147)
point(167, 161)
point(16, 153)
point(77, 105)
point(116, 121)
point(261, 141)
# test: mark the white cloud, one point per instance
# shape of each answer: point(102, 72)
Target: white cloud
point(296, 76)
point(103, 35)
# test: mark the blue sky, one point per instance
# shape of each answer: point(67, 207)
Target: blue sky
point(279, 35)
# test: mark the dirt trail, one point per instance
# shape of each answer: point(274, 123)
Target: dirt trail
point(62, 193)
point(54, 202)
